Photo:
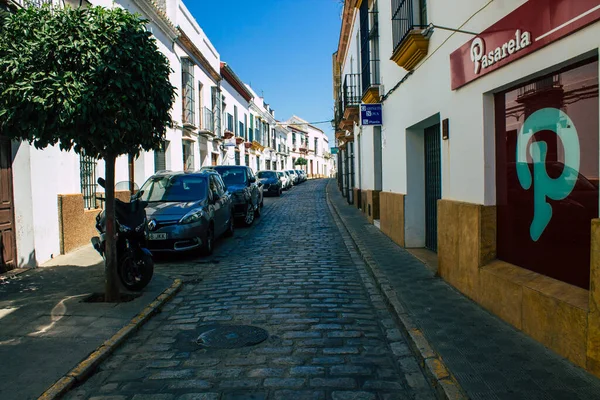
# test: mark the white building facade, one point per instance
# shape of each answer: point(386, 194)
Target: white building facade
point(488, 151)
point(310, 143)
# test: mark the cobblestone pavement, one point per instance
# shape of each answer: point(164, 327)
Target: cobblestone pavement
point(331, 336)
point(489, 358)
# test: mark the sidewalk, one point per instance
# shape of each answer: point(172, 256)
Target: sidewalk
point(46, 329)
point(489, 358)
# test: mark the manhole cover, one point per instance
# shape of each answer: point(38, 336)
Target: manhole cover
point(230, 336)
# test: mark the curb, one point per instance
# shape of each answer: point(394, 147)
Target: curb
point(444, 384)
point(85, 368)
point(12, 273)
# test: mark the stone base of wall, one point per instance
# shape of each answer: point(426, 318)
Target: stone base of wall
point(76, 224)
point(554, 313)
point(391, 216)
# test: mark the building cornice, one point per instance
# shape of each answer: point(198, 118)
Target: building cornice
point(346, 29)
point(236, 82)
point(185, 41)
point(158, 16)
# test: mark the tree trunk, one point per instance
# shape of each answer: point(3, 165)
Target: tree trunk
point(111, 283)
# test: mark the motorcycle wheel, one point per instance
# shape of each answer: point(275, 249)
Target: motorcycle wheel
point(136, 277)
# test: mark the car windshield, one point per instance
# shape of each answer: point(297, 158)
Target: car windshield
point(290, 172)
point(280, 174)
point(178, 188)
point(266, 175)
point(232, 176)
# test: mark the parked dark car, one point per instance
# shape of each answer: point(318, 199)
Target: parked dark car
point(245, 189)
point(271, 183)
point(187, 211)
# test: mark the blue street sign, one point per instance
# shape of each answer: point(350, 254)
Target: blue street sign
point(370, 114)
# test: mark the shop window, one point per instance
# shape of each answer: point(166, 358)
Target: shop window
point(547, 173)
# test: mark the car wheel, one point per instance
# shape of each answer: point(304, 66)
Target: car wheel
point(249, 218)
point(279, 192)
point(231, 228)
point(257, 211)
point(209, 241)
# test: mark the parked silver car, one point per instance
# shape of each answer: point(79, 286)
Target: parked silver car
point(187, 211)
point(294, 176)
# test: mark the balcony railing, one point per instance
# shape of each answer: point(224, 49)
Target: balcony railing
point(208, 122)
point(403, 20)
point(351, 90)
point(34, 3)
point(369, 35)
point(550, 82)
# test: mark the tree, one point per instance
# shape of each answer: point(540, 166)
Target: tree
point(91, 80)
point(301, 161)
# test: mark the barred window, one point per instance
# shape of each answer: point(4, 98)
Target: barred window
point(87, 167)
point(187, 72)
point(188, 155)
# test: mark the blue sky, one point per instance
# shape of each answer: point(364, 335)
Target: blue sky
point(283, 48)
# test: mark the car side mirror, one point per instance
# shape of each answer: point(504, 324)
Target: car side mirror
point(252, 179)
point(102, 182)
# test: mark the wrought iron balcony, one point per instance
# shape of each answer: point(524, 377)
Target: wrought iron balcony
point(410, 46)
point(351, 90)
point(208, 122)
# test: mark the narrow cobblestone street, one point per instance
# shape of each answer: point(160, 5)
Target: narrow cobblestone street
point(330, 333)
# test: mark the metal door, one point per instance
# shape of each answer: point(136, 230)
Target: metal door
point(433, 184)
point(7, 216)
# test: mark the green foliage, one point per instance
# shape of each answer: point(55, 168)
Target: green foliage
point(301, 161)
point(92, 80)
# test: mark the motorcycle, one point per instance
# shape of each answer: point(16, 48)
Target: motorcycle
point(135, 265)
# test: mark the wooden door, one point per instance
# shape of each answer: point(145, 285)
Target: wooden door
point(7, 216)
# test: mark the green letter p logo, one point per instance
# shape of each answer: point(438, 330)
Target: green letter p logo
point(544, 187)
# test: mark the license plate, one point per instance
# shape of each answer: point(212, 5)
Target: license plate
point(157, 236)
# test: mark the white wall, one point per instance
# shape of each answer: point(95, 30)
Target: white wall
point(23, 205)
point(53, 172)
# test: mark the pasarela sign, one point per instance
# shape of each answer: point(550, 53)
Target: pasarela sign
point(482, 60)
point(530, 27)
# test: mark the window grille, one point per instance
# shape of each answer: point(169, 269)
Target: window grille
point(404, 19)
point(187, 72)
point(87, 167)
